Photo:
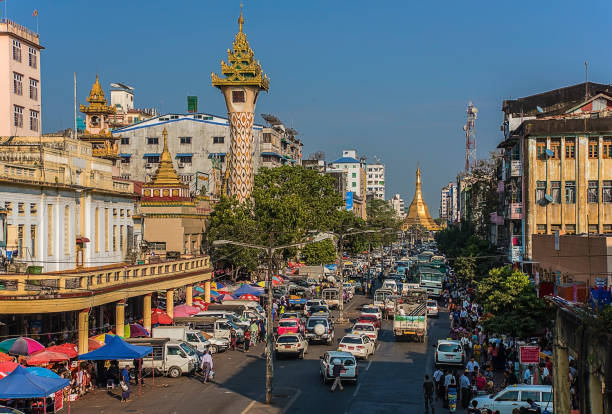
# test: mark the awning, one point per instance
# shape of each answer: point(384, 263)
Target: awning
point(183, 154)
point(151, 155)
point(82, 240)
point(274, 154)
point(216, 154)
point(125, 155)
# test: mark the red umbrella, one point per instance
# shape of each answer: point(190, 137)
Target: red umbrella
point(185, 310)
point(161, 319)
point(8, 366)
point(93, 344)
point(68, 349)
point(44, 357)
point(249, 297)
point(5, 357)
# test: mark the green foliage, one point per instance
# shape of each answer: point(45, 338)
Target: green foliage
point(382, 216)
point(512, 300)
point(322, 252)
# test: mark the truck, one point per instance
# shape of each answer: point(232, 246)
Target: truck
point(170, 358)
point(380, 296)
point(410, 319)
point(217, 328)
point(242, 311)
point(332, 297)
point(182, 333)
point(315, 272)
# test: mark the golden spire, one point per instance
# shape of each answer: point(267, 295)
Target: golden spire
point(240, 19)
point(418, 212)
point(165, 174)
point(97, 101)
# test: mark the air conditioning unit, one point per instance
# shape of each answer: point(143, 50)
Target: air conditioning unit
point(148, 166)
point(181, 165)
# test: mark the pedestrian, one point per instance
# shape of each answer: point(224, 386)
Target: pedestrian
point(428, 391)
point(527, 375)
point(337, 372)
point(472, 366)
point(438, 376)
point(253, 328)
point(206, 365)
point(233, 338)
point(465, 385)
point(247, 340)
point(125, 374)
point(125, 390)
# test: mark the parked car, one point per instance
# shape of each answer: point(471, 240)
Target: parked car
point(320, 310)
point(515, 396)
point(371, 310)
point(360, 346)
point(449, 352)
point(291, 344)
point(432, 308)
point(314, 302)
point(319, 330)
point(331, 358)
point(367, 318)
point(367, 329)
point(289, 325)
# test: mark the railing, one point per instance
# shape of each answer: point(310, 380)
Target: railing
point(78, 282)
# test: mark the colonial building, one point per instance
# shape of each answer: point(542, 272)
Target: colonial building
point(20, 89)
point(557, 171)
point(418, 212)
point(280, 145)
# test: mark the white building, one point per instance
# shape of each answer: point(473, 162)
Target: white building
point(376, 180)
point(353, 167)
point(448, 203)
point(397, 202)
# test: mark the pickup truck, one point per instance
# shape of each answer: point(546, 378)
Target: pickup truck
point(218, 328)
point(171, 358)
point(410, 321)
point(331, 297)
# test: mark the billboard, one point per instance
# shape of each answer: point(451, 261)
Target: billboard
point(349, 201)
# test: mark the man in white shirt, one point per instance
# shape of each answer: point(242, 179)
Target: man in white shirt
point(471, 366)
point(206, 365)
point(437, 375)
point(527, 376)
point(465, 386)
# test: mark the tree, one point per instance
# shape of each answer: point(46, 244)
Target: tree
point(318, 253)
point(382, 216)
point(512, 301)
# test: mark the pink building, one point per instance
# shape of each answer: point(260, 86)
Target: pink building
point(20, 87)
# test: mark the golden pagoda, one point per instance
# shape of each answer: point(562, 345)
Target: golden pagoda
point(165, 184)
point(418, 212)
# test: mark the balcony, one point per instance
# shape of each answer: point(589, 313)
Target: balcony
point(80, 289)
point(515, 211)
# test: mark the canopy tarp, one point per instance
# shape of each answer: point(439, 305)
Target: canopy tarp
point(22, 384)
point(248, 290)
point(116, 348)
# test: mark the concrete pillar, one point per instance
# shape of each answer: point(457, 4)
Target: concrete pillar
point(189, 295)
point(207, 291)
point(83, 331)
point(561, 389)
point(170, 302)
point(120, 318)
point(595, 395)
point(146, 311)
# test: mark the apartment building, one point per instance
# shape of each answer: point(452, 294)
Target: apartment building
point(448, 203)
point(397, 202)
point(376, 180)
point(20, 108)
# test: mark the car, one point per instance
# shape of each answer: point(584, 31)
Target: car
point(361, 346)
point(289, 325)
point(319, 310)
point(319, 329)
point(449, 352)
point(313, 302)
point(366, 318)
point(432, 308)
point(371, 310)
point(367, 329)
point(291, 344)
point(292, 314)
point(331, 358)
point(515, 396)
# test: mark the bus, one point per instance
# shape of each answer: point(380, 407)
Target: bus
point(432, 282)
point(425, 257)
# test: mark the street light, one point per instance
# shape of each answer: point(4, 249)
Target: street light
point(270, 249)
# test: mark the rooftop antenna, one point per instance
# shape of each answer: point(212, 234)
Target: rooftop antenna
point(586, 81)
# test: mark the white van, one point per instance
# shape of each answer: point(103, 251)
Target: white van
point(515, 396)
point(390, 284)
point(248, 304)
point(170, 357)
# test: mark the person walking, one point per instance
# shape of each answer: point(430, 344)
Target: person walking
point(206, 365)
point(125, 390)
point(438, 376)
point(233, 338)
point(465, 385)
point(428, 392)
point(247, 340)
point(337, 371)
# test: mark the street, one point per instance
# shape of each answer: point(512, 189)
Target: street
point(390, 381)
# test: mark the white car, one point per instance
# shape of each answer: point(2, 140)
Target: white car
point(291, 344)
point(432, 308)
point(367, 329)
point(371, 310)
point(360, 346)
point(314, 302)
point(449, 352)
point(515, 396)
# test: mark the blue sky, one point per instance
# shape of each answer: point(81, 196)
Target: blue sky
point(391, 79)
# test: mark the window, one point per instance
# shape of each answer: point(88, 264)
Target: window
point(33, 89)
point(570, 192)
point(185, 140)
point(555, 227)
point(570, 148)
point(593, 148)
point(50, 229)
point(238, 96)
point(607, 228)
point(96, 235)
point(32, 57)
point(152, 159)
point(267, 138)
point(593, 192)
point(21, 209)
point(125, 160)
point(114, 238)
point(67, 231)
point(33, 120)
point(541, 148)
point(508, 396)
point(570, 228)
point(121, 212)
point(606, 192)
point(121, 237)
point(555, 147)
point(8, 205)
point(106, 229)
point(33, 251)
point(221, 140)
point(531, 395)
point(125, 141)
point(186, 159)
point(354, 175)
point(153, 141)
point(17, 50)
point(354, 184)
point(33, 209)
point(20, 240)
point(607, 147)
point(18, 116)
point(555, 191)
point(541, 229)
point(114, 212)
point(592, 228)
point(17, 83)
point(540, 190)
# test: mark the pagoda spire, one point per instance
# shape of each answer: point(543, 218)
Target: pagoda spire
point(165, 174)
point(418, 212)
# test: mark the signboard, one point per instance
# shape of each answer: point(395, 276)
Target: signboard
point(192, 104)
point(530, 354)
point(58, 400)
point(349, 201)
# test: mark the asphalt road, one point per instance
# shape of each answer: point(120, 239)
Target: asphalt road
point(389, 382)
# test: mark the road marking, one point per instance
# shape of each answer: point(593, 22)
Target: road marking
point(368, 367)
point(356, 390)
point(378, 346)
point(291, 401)
point(248, 407)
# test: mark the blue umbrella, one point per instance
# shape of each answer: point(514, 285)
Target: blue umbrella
point(42, 372)
point(22, 384)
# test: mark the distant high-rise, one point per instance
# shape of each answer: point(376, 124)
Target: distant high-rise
point(376, 180)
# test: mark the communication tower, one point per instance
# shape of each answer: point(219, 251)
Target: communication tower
point(470, 137)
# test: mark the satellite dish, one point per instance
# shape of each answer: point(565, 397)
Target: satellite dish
point(540, 110)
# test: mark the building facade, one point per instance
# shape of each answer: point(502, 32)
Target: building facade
point(376, 180)
point(20, 108)
point(354, 172)
point(279, 145)
point(448, 203)
point(122, 99)
point(397, 202)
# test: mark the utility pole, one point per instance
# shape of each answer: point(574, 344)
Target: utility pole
point(341, 278)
